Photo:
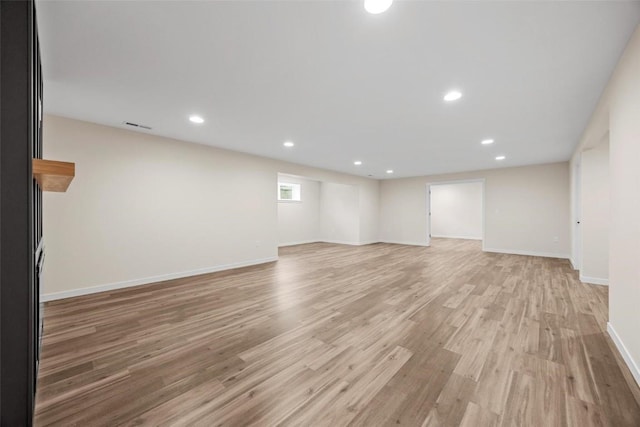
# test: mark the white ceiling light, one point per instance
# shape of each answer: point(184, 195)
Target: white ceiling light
point(487, 141)
point(260, 54)
point(357, 163)
point(196, 119)
point(377, 6)
point(288, 144)
point(389, 170)
point(500, 157)
point(453, 95)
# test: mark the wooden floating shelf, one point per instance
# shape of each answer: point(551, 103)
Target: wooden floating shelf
point(52, 175)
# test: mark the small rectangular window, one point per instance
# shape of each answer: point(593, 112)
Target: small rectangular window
point(288, 192)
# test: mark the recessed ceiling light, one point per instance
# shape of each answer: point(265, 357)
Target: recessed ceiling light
point(500, 157)
point(453, 95)
point(389, 170)
point(487, 141)
point(196, 119)
point(357, 163)
point(377, 6)
point(288, 144)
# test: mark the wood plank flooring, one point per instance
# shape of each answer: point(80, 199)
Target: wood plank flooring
point(334, 335)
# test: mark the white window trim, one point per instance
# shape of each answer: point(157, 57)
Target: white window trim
point(293, 185)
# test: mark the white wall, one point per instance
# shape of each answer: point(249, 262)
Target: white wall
point(328, 212)
point(299, 222)
point(456, 210)
point(624, 246)
point(143, 208)
point(595, 203)
point(369, 216)
point(339, 213)
point(617, 113)
point(576, 207)
point(526, 209)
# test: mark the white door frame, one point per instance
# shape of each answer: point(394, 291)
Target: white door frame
point(576, 253)
point(458, 181)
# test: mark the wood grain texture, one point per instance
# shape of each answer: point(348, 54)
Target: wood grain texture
point(339, 335)
point(53, 175)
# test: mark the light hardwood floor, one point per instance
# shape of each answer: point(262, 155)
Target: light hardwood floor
point(335, 335)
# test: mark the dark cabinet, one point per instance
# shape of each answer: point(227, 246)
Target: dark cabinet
point(21, 248)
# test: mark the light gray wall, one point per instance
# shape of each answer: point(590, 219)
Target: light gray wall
point(617, 114)
point(624, 245)
point(456, 210)
point(328, 212)
point(144, 208)
point(369, 216)
point(526, 209)
point(299, 222)
point(339, 213)
point(595, 214)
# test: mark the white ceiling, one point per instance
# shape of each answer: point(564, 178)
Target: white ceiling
point(342, 84)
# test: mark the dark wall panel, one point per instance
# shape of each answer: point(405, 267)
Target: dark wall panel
point(20, 211)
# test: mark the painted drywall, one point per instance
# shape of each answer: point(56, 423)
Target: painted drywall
point(328, 212)
point(143, 208)
point(624, 244)
point(617, 114)
point(456, 210)
point(526, 209)
point(576, 207)
point(339, 213)
point(366, 192)
point(595, 214)
point(369, 216)
point(299, 222)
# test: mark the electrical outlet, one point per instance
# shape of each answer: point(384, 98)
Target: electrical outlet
point(555, 239)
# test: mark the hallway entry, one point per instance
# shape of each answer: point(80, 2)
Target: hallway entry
point(456, 210)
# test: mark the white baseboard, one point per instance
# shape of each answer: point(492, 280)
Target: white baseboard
point(573, 263)
point(408, 243)
point(302, 242)
point(438, 236)
point(146, 280)
point(370, 242)
point(337, 242)
point(594, 280)
point(631, 364)
point(343, 242)
point(529, 253)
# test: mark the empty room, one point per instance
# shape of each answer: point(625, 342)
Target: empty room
point(320, 213)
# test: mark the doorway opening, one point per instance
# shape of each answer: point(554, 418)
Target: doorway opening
point(455, 210)
point(592, 212)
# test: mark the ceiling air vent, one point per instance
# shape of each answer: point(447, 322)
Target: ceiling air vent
point(136, 125)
